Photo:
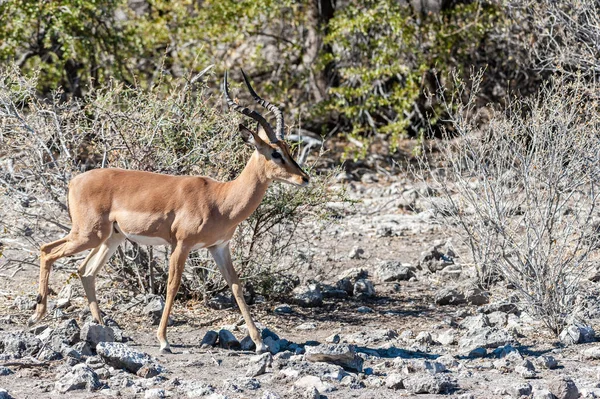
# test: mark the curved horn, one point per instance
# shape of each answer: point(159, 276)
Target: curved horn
point(269, 106)
point(248, 112)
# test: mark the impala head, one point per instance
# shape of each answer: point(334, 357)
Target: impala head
point(270, 144)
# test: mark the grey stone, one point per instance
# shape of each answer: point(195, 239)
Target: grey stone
point(411, 366)
point(270, 395)
point(155, 393)
point(246, 344)
point(393, 270)
point(154, 308)
point(364, 309)
point(331, 292)
point(363, 288)
point(272, 344)
point(576, 334)
point(311, 381)
point(84, 348)
point(220, 301)
point(525, 369)
point(475, 322)
point(427, 383)
point(522, 389)
point(308, 296)
point(394, 381)
point(94, 333)
point(354, 274)
point(80, 377)
point(497, 319)
point(487, 337)
point(48, 354)
point(258, 365)
point(448, 296)
point(121, 356)
point(506, 350)
point(447, 337)
point(5, 371)
point(4, 394)
point(68, 331)
point(437, 257)
point(227, 340)
point(476, 296)
point(333, 339)
point(345, 284)
point(424, 337)
point(209, 339)
point(356, 253)
point(24, 303)
point(477, 352)
point(19, 344)
point(149, 370)
point(546, 362)
point(241, 383)
point(283, 309)
point(564, 388)
point(341, 354)
point(592, 353)
point(542, 394)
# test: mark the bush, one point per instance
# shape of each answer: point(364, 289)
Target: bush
point(44, 143)
point(523, 192)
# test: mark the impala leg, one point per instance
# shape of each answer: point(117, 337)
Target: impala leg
point(176, 265)
point(92, 265)
point(50, 253)
point(222, 256)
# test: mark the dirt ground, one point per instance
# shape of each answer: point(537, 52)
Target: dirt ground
point(400, 306)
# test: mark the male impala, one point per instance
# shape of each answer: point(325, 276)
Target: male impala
point(108, 206)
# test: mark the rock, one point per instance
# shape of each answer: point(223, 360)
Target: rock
point(576, 334)
point(363, 288)
point(341, 354)
point(220, 302)
point(154, 308)
point(68, 331)
point(283, 309)
point(356, 252)
point(448, 296)
point(258, 365)
point(246, 344)
point(24, 303)
point(393, 270)
point(394, 381)
point(333, 339)
point(477, 352)
point(592, 353)
point(330, 292)
point(311, 381)
point(346, 285)
point(506, 350)
point(19, 344)
point(522, 389)
point(155, 393)
point(487, 337)
point(80, 377)
point(241, 383)
point(411, 366)
point(564, 388)
point(542, 394)
point(364, 309)
point(476, 296)
point(63, 299)
point(308, 296)
point(272, 344)
point(209, 339)
point(436, 258)
point(227, 340)
point(5, 371)
point(94, 333)
point(270, 395)
point(84, 348)
point(447, 337)
point(546, 362)
point(426, 383)
point(122, 356)
point(4, 394)
point(48, 354)
point(424, 337)
point(306, 326)
point(505, 307)
point(497, 319)
point(149, 371)
point(353, 274)
point(525, 369)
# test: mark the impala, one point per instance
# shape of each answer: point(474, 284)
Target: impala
point(109, 206)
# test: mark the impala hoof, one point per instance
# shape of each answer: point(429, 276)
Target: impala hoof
point(166, 351)
point(34, 319)
point(261, 348)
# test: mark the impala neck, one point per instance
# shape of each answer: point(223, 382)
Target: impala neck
point(244, 194)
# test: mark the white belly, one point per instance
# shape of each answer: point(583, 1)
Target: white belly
point(145, 240)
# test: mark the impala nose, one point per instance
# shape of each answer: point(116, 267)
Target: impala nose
point(305, 179)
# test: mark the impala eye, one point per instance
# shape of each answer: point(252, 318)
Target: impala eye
point(276, 155)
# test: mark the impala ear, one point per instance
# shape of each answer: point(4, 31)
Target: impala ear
point(250, 137)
